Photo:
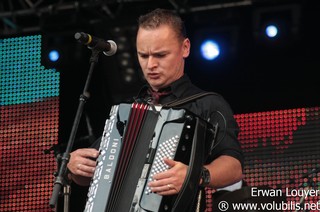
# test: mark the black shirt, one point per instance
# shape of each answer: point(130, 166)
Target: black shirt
point(212, 108)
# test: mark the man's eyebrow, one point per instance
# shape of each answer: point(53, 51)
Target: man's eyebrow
point(139, 52)
point(153, 53)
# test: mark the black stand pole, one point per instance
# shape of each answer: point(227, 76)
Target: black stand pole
point(61, 176)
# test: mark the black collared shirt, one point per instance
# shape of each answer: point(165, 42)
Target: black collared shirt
point(212, 108)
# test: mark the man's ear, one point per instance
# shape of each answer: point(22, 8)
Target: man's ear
point(186, 47)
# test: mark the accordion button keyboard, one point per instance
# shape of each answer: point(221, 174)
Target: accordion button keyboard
point(166, 149)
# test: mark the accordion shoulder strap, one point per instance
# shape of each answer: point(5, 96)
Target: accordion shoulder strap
point(179, 102)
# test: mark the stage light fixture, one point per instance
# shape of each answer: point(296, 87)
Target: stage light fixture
point(210, 49)
point(278, 25)
point(125, 39)
point(212, 46)
point(54, 55)
point(271, 30)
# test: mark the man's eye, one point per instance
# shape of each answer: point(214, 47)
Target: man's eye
point(143, 56)
point(160, 55)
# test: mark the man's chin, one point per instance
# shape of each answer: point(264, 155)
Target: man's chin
point(155, 84)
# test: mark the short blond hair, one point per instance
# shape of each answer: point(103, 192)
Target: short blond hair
point(157, 17)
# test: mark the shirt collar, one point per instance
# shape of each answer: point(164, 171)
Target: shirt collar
point(178, 88)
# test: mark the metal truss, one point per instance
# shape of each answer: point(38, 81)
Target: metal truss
point(24, 16)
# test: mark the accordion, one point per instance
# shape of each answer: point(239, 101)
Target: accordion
point(136, 138)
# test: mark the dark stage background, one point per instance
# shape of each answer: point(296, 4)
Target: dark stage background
point(272, 85)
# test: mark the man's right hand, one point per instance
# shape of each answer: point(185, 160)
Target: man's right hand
point(82, 165)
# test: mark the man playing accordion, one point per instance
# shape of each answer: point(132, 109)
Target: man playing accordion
point(162, 47)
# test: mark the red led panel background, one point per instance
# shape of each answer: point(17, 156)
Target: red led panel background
point(26, 178)
point(282, 149)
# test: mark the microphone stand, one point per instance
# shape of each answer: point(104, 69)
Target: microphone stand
point(61, 175)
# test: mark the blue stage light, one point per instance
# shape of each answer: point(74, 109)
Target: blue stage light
point(210, 50)
point(271, 31)
point(54, 55)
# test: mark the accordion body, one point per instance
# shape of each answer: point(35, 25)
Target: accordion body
point(135, 140)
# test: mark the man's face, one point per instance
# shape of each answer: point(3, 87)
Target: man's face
point(161, 55)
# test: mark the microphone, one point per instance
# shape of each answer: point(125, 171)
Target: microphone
point(108, 47)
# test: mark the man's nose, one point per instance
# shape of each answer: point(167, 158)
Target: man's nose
point(152, 62)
